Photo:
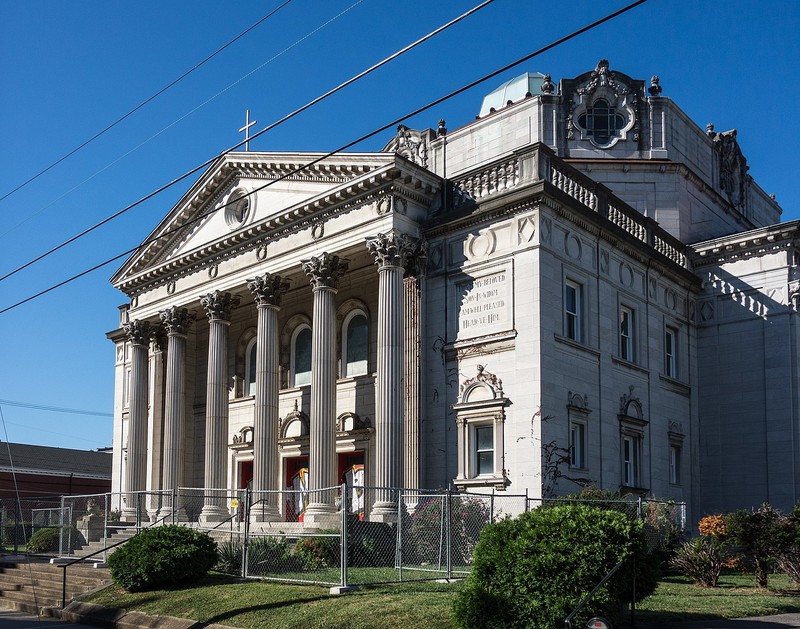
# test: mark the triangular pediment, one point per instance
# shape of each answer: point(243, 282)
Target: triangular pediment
point(243, 196)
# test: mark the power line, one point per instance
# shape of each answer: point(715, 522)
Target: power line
point(54, 409)
point(144, 102)
point(381, 129)
point(280, 121)
point(30, 215)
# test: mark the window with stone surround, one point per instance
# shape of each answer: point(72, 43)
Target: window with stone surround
point(480, 419)
point(631, 457)
point(675, 436)
point(578, 413)
point(573, 298)
point(602, 122)
point(627, 334)
point(250, 368)
point(355, 344)
point(632, 428)
point(670, 352)
point(301, 356)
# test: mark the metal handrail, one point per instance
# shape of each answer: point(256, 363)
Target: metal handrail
point(590, 595)
point(97, 552)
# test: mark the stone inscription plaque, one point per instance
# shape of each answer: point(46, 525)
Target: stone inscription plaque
point(483, 304)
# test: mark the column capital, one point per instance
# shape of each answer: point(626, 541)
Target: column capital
point(218, 305)
point(325, 270)
point(395, 249)
point(138, 332)
point(176, 320)
point(268, 289)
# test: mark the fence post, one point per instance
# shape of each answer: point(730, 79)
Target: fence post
point(105, 526)
point(448, 532)
point(639, 508)
point(248, 501)
point(398, 554)
point(527, 508)
point(343, 539)
point(61, 529)
point(491, 508)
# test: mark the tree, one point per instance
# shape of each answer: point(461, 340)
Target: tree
point(756, 534)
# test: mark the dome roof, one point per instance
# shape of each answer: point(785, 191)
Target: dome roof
point(513, 90)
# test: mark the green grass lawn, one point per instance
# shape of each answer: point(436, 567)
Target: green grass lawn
point(421, 604)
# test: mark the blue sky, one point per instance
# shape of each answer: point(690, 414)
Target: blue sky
point(69, 69)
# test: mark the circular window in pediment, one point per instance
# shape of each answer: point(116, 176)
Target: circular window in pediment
point(238, 208)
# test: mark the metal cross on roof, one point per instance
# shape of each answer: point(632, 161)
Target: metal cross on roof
point(246, 129)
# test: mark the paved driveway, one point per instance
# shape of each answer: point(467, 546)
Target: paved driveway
point(765, 622)
point(16, 620)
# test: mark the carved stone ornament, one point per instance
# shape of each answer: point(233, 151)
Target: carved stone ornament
point(393, 249)
point(655, 88)
point(548, 87)
point(630, 405)
point(578, 401)
point(325, 270)
point(159, 338)
point(218, 305)
point(483, 377)
point(295, 415)
point(411, 144)
point(602, 77)
point(243, 440)
point(675, 428)
point(138, 332)
point(176, 320)
point(351, 421)
point(733, 178)
point(267, 289)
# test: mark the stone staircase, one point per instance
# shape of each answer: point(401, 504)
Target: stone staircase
point(33, 585)
point(115, 536)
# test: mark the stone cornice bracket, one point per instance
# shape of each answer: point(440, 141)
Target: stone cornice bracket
point(176, 320)
point(139, 332)
point(268, 289)
point(218, 305)
point(392, 249)
point(325, 270)
point(417, 261)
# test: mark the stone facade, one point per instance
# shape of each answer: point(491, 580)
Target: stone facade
point(516, 305)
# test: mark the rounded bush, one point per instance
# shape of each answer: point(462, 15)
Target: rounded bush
point(532, 571)
point(48, 540)
point(162, 556)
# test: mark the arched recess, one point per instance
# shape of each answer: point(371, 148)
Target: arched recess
point(633, 431)
point(480, 422)
point(288, 338)
point(353, 322)
point(244, 348)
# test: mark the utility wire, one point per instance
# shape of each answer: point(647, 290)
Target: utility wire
point(389, 125)
point(31, 215)
point(55, 409)
point(144, 102)
point(208, 162)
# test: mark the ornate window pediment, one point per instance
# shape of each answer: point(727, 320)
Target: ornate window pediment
point(347, 422)
point(603, 108)
point(243, 440)
point(295, 425)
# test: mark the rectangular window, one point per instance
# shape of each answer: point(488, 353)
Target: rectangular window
point(577, 445)
point(626, 333)
point(675, 464)
point(630, 461)
point(484, 450)
point(670, 355)
point(572, 310)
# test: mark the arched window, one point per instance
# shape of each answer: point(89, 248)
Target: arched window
point(250, 368)
point(301, 356)
point(355, 344)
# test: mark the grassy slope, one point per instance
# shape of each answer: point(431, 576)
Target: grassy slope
point(424, 604)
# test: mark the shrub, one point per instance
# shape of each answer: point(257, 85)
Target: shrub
point(532, 571)
point(270, 554)
point(699, 559)
point(48, 540)
point(162, 556)
point(756, 534)
point(788, 554)
point(317, 553)
point(370, 543)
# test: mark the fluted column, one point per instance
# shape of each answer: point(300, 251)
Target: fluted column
point(176, 322)
point(218, 306)
point(324, 272)
point(135, 471)
point(267, 291)
point(391, 252)
point(414, 325)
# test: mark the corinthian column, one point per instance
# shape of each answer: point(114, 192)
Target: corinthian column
point(267, 291)
point(324, 272)
point(414, 325)
point(218, 306)
point(135, 471)
point(176, 321)
point(391, 252)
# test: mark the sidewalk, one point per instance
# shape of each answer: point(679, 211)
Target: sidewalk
point(762, 622)
point(10, 619)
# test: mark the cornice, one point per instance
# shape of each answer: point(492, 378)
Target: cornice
point(744, 245)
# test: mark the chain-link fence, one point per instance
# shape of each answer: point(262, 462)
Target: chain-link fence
point(20, 519)
point(337, 536)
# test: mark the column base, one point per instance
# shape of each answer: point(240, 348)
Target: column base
point(322, 520)
point(213, 513)
point(167, 517)
point(130, 516)
point(383, 512)
point(267, 513)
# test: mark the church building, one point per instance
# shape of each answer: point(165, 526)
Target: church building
point(579, 287)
